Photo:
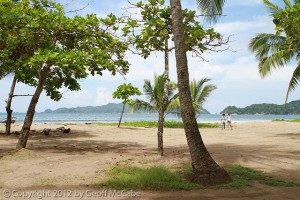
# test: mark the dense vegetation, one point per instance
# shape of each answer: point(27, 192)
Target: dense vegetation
point(108, 108)
point(290, 108)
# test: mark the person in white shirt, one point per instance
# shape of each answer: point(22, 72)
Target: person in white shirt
point(229, 120)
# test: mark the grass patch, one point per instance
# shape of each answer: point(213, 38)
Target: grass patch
point(161, 178)
point(284, 120)
point(167, 124)
point(238, 172)
point(152, 178)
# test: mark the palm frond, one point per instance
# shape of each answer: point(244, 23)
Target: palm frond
point(206, 92)
point(174, 106)
point(199, 87)
point(264, 44)
point(148, 90)
point(200, 92)
point(288, 3)
point(141, 105)
point(272, 8)
point(274, 61)
point(158, 90)
point(272, 51)
point(294, 82)
point(211, 9)
point(154, 94)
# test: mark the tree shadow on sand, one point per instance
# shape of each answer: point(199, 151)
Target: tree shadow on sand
point(75, 142)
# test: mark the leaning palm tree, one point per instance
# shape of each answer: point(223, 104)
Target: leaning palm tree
point(205, 170)
point(274, 51)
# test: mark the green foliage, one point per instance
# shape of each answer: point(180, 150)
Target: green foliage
point(280, 120)
point(149, 31)
point(290, 108)
point(244, 176)
point(162, 178)
point(154, 94)
point(152, 178)
point(200, 91)
point(274, 51)
point(36, 35)
point(211, 9)
point(124, 91)
point(244, 173)
point(167, 124)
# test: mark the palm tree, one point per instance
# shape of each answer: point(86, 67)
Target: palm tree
point(205, 170)
point(154, 94)
point(200, 91)
point(273, 51)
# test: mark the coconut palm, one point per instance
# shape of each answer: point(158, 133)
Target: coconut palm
point(211, 9)
point(205, 170)
point(274, 51)
point(154, 94)
point(200, 91)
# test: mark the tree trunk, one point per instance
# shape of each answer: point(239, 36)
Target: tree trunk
point(31, 109)
point(8, 106)
point(165, 101)
point(122, 113)
point(205, 170)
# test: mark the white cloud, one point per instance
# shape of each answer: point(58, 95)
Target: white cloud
point(253, 25)
point(209, 71)
point(103, 96)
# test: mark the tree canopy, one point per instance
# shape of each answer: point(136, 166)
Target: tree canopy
point(125, 91)
point(37, 33)
point(153, 25)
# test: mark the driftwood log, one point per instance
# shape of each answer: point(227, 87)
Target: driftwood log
point(47, 131)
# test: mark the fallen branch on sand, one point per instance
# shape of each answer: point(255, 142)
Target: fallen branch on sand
point(47, 131)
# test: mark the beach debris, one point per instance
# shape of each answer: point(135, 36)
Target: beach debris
point(47, 131)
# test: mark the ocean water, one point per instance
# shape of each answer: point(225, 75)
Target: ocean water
point(131, 117)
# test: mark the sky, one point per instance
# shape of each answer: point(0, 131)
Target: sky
point(234, 71)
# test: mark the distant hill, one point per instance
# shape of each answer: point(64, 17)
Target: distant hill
point(109, 108)
point(291, 108)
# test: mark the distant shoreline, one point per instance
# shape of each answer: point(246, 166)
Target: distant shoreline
point(82, 118)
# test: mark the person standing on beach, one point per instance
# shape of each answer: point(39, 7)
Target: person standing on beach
point(223, 121)
point(229, 120)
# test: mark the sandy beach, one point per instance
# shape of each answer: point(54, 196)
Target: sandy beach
point(74, 161)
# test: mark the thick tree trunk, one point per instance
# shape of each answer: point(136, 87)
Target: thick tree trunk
point(122, 113)
point(8, 106)
point(205, 170)
point(31, 109)
point(165, 101)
